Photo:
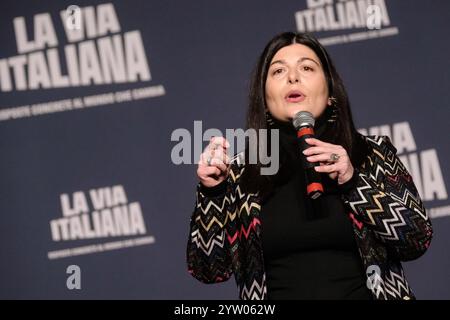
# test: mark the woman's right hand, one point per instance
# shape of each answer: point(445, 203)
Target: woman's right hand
point(214, 167)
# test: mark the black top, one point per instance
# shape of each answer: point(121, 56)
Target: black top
point(309, 247)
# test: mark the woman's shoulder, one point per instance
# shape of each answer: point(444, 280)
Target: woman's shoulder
point(370, 151)
point(380, 143)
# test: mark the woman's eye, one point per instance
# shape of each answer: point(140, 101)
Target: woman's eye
point(277, 71)
point(306, 68)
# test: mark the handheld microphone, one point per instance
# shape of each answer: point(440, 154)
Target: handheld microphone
point(303, 122)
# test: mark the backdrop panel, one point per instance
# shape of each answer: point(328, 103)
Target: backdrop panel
point(90, 96)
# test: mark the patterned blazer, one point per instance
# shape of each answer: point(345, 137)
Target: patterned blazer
point(389, 221)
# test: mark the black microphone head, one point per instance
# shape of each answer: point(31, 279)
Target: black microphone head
point(303, 119)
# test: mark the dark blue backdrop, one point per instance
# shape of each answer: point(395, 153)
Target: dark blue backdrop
point(200, 55)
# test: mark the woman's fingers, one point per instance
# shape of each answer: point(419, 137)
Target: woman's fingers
point(219, 164)
point(328, 168)
point(322, 151)
point(216, 142)
point(340, 168)
point(209, 171)
point(324, 157)
point(317, 142)
point(216, 157)
point(213, 166)
point(317, 150)
point(221, 155)
point(217, 148)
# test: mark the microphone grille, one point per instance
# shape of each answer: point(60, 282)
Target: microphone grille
point(302, 119)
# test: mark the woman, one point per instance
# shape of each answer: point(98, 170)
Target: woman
point(279, 243)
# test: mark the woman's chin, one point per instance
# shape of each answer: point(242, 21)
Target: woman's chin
point(296, 110)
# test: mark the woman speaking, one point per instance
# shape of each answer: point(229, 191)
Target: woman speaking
point(267, 230)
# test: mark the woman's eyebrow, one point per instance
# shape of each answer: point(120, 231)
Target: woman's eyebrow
point(299, 60)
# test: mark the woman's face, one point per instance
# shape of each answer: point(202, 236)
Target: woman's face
point(295, 82)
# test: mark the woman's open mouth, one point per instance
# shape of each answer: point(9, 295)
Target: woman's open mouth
point(295, 96)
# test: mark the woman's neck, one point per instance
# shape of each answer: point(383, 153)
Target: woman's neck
point(287, 129)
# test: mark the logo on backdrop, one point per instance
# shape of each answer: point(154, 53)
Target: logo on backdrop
point(423, 165)
point(335, 22)
point(93, 50)
point(102, 213)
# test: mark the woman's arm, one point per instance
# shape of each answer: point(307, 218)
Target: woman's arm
point(208, 252)
point(388, 202)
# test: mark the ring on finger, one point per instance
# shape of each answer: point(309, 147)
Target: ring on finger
point(334, 157)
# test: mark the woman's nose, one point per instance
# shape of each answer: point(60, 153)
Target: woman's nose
point(293, 77)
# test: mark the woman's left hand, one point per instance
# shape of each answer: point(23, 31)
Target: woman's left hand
point(340, 168)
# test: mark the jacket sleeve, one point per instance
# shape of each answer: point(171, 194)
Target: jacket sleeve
point(387, 201)
point(208, 251)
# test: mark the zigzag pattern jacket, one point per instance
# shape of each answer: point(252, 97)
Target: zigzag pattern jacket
point(389, 221)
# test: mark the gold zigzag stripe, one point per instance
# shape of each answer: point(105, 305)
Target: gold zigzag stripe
point(231, 215)
point(213, 220)
point(233, 176)
point(248, 208)
point(379, 208)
